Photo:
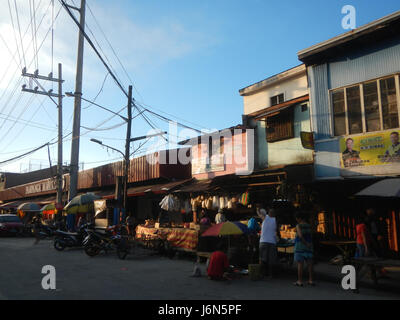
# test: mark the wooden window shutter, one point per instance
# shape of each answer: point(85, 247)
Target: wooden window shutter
point(281, 126)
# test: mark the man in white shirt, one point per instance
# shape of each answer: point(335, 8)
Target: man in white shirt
point(268, 240)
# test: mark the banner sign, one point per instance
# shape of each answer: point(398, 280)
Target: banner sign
point(370, 150)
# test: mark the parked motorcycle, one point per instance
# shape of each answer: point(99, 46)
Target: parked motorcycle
point(43, 231)
point(112, 238)
point(64, 239)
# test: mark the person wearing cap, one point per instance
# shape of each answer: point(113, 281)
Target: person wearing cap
point(220, 217)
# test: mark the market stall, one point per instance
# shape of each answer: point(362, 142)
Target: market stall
point(178, 238)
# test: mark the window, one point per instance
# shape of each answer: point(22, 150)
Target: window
point(280, 127)
point(367, 107)
point(354, 109)
point(278, 99)
point(371, 106)
point(339, 114)
point(389, 104)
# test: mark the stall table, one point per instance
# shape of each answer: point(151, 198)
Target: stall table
point(178, 238)
point(373, 264)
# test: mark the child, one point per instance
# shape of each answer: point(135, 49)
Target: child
point(303, 249)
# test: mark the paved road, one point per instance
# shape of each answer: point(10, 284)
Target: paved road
point(141, 276)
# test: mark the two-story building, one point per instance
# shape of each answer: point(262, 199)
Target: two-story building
point(278, 108)
point(355, 115)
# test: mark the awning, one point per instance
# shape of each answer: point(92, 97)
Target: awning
point(11, 205)
point(278, 108)
point(154, 189)
point(387, 188)
point(197, 186)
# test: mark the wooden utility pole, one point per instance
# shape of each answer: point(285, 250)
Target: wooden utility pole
point(60, 137)
point(127, 149)
point(35, 76)
point(73, 185)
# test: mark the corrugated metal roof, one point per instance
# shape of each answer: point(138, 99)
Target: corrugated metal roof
point(349, 36)
point(279, 107)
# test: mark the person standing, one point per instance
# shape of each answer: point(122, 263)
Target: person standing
point(363, 239)
point(268, 240)
point(220, 217)
point(130, 224)
point(376, 228)
point(303, 249)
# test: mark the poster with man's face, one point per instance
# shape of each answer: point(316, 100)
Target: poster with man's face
point(370, 149)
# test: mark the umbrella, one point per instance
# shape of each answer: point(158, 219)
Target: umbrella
point(388, 188)
point(81, 204)
point(226, 229)
point(49, 209)
point(28, 207)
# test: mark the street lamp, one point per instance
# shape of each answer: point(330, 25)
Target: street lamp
point(107, 146)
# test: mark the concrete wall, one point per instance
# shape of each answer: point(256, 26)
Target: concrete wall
point(291, 88)
point(288, 151)
point(285, 152)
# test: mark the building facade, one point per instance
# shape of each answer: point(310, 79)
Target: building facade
point(278, 108)
point(355, 96)
point(355, 118)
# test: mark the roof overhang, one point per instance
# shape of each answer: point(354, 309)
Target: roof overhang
point(199, 139)
point(283, 76)
point(369, 33)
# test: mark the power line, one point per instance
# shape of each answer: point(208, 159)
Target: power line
point(19, 30)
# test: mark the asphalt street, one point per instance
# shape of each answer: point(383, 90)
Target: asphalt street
point(142, 275)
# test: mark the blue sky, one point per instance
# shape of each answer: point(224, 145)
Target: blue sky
point(187, 58)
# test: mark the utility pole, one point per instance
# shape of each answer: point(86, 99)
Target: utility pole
point(35, 76)
point(127, 149)
point(60, 137)
point(73, 185)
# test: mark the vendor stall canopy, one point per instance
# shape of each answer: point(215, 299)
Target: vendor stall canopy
point(29, 207)
point(388, 188)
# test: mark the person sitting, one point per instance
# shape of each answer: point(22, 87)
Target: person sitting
point(205, 220)
point(218, 266)
point(220, 217)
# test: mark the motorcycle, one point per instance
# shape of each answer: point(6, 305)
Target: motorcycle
point(43, 231)
point(112, 238)
point(64, 239)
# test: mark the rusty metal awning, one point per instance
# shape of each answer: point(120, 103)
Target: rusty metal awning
point(261, 114)
point(197, 186)
point(151, 189)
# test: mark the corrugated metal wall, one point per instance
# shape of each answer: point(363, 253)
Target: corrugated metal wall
point(377, 62)
point(353, 67)
point(145, 168)
point(319, 88)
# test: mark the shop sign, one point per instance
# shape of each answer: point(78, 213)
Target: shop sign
point(44, 186)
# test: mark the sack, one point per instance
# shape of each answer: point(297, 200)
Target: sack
point(215, 203)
